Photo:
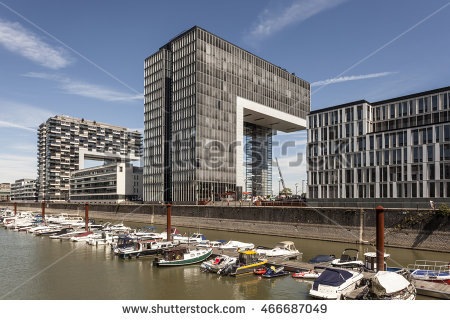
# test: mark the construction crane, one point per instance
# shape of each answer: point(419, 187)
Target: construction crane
point(281, 176)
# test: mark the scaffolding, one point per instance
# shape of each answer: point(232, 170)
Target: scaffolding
point(258, 160)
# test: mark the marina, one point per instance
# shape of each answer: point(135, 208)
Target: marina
point(95, 264)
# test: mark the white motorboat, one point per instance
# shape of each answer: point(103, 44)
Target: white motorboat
point(68, 235)
point(333, 283)
point(75, 222)
point(117, 228)
point(86, 237)
point(63, 217)
point(348, 259)
point(237, 245)
point(144, 248)
point(218, 264)
point(148, 233)
point(284, 248)
point(194, 238)
point(106, 239)
point(210, 244)
point(81, 237)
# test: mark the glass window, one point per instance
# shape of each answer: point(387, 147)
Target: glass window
point(434, 103)
point(430, 152)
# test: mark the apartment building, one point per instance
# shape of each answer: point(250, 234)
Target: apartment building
point(110, 183)
point(5, 191)
point(24, 190)
point(64, 143)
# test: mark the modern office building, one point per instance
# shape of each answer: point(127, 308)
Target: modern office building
point(396, 148)
point(65, 142)
point(24, 190)
point(110, 183)
point(205, 97)
point(5, 191)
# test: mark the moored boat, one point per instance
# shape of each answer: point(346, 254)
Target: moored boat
point(247, 262)
point(144, 248)
point(384, 285)
point(281, 249)
point(218, 264)
point(348, 259)
point(334, 282)
point(180, 256)
point(237, 245)
point(273, 272)
point(431, 271)
point(309, 275)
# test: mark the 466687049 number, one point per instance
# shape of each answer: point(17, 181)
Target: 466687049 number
point(294, 308)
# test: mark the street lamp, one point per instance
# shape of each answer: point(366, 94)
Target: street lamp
point(296, 186)
point(279, 187)
point(303, 180)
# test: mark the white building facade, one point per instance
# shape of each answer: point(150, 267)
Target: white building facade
point(24, 190)
point(111, 183)
point(396, 148)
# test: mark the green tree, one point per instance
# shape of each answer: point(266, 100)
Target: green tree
point(286, 191)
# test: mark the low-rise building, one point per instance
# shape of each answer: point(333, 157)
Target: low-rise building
point(109, 183)
point(5, 191)
point(24, 190)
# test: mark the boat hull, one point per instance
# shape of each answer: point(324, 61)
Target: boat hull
point(244, 270)
point(183, 262)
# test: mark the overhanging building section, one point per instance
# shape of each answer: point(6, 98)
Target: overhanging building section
point(202, 96)
point(65, 142)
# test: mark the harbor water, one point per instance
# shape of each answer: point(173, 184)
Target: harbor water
point(41, 268)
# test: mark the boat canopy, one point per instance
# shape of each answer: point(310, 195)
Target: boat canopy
point(332, 277)
point(248, 252)
point(386, 282)
point(289, 245)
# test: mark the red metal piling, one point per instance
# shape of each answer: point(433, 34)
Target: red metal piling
point(43, 210)
point(380, 238)
point(169, 217)
point(86, 216)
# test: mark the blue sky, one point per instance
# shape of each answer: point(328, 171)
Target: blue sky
point(85, 58)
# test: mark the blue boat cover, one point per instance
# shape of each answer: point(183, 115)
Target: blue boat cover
point(332, 277)
point(321, 258)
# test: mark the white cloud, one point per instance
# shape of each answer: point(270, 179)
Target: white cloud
point(85, 89)
point(22, 116)
point(16, 167)
point(17, 39)
point(350, 78)
point(272, 21)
